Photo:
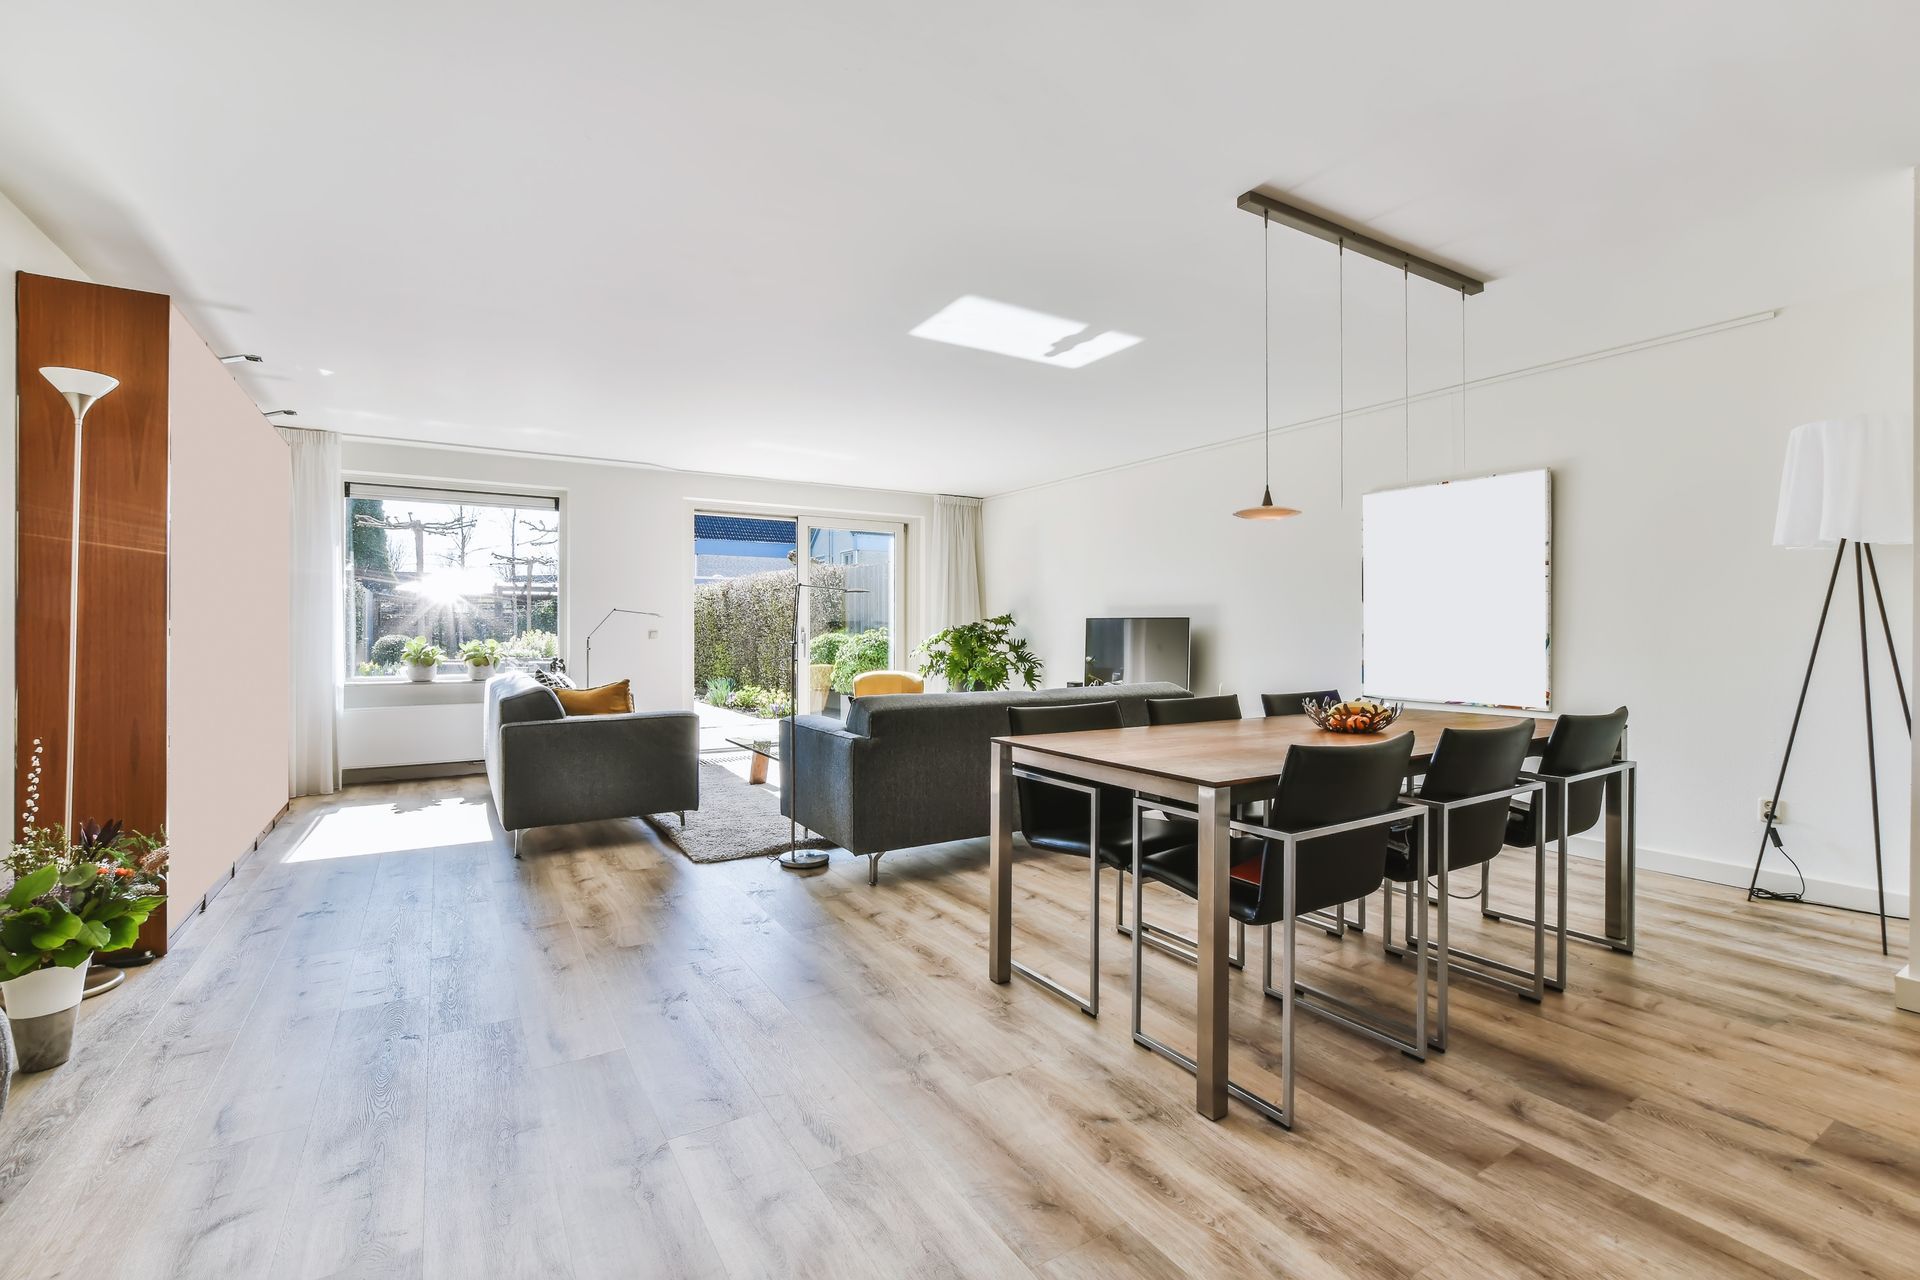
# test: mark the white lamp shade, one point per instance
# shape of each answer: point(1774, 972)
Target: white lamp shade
point(1847, 478)
point(79, 382)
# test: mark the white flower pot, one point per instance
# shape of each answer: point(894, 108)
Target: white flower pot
point(42, 1006)
point(479, 670)
point(422, 673)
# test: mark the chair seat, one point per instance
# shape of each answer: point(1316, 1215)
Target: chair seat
point(1403, 847)
point(1180, 869)
point(1116, 841)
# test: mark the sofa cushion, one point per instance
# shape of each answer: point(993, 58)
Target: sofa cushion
point(601, 700)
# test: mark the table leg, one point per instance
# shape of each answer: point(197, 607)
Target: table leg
point(757, 769)
point(1210, 1029)
point(1621, 803)
point(1000, 868)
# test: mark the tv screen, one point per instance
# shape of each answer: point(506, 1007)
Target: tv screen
point(1138, 650)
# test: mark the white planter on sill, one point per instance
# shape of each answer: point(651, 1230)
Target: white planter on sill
point(479, 670)
point(420, 673)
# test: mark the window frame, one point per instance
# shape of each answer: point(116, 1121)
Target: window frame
point(525, 497)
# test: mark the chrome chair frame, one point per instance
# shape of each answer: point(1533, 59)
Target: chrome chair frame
point(1629, 804)
point(1468, 963)
point(1088, 1004)
point(1282, 1112)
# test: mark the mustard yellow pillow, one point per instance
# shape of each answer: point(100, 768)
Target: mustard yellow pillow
point(601, 700)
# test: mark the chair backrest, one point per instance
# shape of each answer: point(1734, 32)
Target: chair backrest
point(1473, 762)
point(1323, 786)
point(1224, 706)
point(1289, 704)
point(1052, 809)
point(869, 683)
point(1580, 744)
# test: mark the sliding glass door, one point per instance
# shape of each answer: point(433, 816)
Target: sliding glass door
point(855, 617)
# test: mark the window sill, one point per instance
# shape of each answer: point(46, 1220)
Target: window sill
point(398, 691)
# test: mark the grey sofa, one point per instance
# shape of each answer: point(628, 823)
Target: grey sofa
point(547, 768)
point(909, 769)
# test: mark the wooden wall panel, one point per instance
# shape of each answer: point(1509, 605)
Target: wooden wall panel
point(120, 760)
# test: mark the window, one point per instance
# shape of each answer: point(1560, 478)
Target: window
point(453, 567)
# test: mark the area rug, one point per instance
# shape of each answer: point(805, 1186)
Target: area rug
point(736, 819)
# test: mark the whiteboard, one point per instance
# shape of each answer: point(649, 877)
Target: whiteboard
point(1456, 592)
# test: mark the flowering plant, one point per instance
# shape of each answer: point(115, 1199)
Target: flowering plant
point(72, 897)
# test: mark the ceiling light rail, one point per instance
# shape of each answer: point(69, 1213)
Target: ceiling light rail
point(1260, 203)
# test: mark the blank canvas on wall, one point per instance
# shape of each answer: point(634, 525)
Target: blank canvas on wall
point(1456, 592)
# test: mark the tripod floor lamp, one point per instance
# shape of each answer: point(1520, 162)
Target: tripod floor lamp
point(1846, 481)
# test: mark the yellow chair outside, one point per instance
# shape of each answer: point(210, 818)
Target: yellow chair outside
point(868, 683)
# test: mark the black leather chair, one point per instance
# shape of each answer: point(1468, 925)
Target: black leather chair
point(1471, 780)
point(1225, 706)
point(1326, 844)
point(1065, 815)
point(1581, 753)
point(1288, 704)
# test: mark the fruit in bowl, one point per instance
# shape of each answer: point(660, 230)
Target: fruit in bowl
point(1351, 717)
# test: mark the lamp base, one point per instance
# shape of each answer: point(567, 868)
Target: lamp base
point(803, 859)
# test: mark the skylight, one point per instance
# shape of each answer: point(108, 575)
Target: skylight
point(1002, 328)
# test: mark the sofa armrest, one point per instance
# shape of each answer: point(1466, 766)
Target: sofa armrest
point(585, 768)
point(821, 769)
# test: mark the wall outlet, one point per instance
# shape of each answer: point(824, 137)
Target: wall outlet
point(651, 635)
point(1770, 810)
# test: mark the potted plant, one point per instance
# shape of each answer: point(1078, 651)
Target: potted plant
point(481, 657)
point(69, 900)
point(421, 658)
point(980, 655)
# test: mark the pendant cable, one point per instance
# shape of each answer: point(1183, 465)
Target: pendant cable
point(1343, 373)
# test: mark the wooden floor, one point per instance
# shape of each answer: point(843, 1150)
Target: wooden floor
point(388, 1049)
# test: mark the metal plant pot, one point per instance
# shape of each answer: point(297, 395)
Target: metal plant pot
point(42, 1007)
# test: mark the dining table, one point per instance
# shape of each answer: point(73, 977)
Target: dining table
point(1204, 765)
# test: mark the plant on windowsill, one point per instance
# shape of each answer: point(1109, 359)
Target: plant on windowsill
point(421, 658)
point(482, 657)
point(68, 900)
point(980, 655)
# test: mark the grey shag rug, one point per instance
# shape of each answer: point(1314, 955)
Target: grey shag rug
point(736, 819)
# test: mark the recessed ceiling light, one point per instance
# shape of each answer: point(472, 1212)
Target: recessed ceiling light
point(326, 373)
point(1002, 328)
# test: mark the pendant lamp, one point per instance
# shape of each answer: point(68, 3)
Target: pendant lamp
point(1266, 510)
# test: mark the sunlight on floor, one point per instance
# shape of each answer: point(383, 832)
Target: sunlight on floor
point(360, 830)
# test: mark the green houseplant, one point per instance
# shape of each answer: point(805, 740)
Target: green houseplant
point(481, 657)
point(980, 655)
point(421, 658)
point(67, 900)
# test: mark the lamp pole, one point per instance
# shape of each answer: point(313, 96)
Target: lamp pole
point(638, 613)
point(796, 858)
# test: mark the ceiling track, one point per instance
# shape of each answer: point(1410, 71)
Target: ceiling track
point(1259, 202)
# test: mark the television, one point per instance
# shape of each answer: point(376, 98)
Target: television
point(1139, 650)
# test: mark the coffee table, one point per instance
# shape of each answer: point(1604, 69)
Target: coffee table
point(762, 750)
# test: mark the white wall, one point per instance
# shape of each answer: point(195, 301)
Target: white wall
point(1906, 985)
point(22, 248)
point(1667, 593)
point(227, 556)
point(627, 542)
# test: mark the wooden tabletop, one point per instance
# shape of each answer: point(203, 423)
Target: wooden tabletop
point(1232, 753)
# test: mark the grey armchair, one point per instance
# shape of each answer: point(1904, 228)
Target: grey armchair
point(546, 768)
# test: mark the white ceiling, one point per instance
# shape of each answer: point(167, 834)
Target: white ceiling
point(697, 235)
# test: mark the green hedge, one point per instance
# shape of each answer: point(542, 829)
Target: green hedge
point(743, 627)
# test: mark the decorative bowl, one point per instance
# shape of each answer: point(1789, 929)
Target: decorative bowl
point(1351, 717)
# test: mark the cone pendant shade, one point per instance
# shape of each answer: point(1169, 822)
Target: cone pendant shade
point(1266, 510)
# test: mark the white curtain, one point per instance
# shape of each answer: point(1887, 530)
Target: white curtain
point(319, 629)
point(953, 563)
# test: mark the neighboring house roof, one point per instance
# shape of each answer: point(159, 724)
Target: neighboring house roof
point(744, 529)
